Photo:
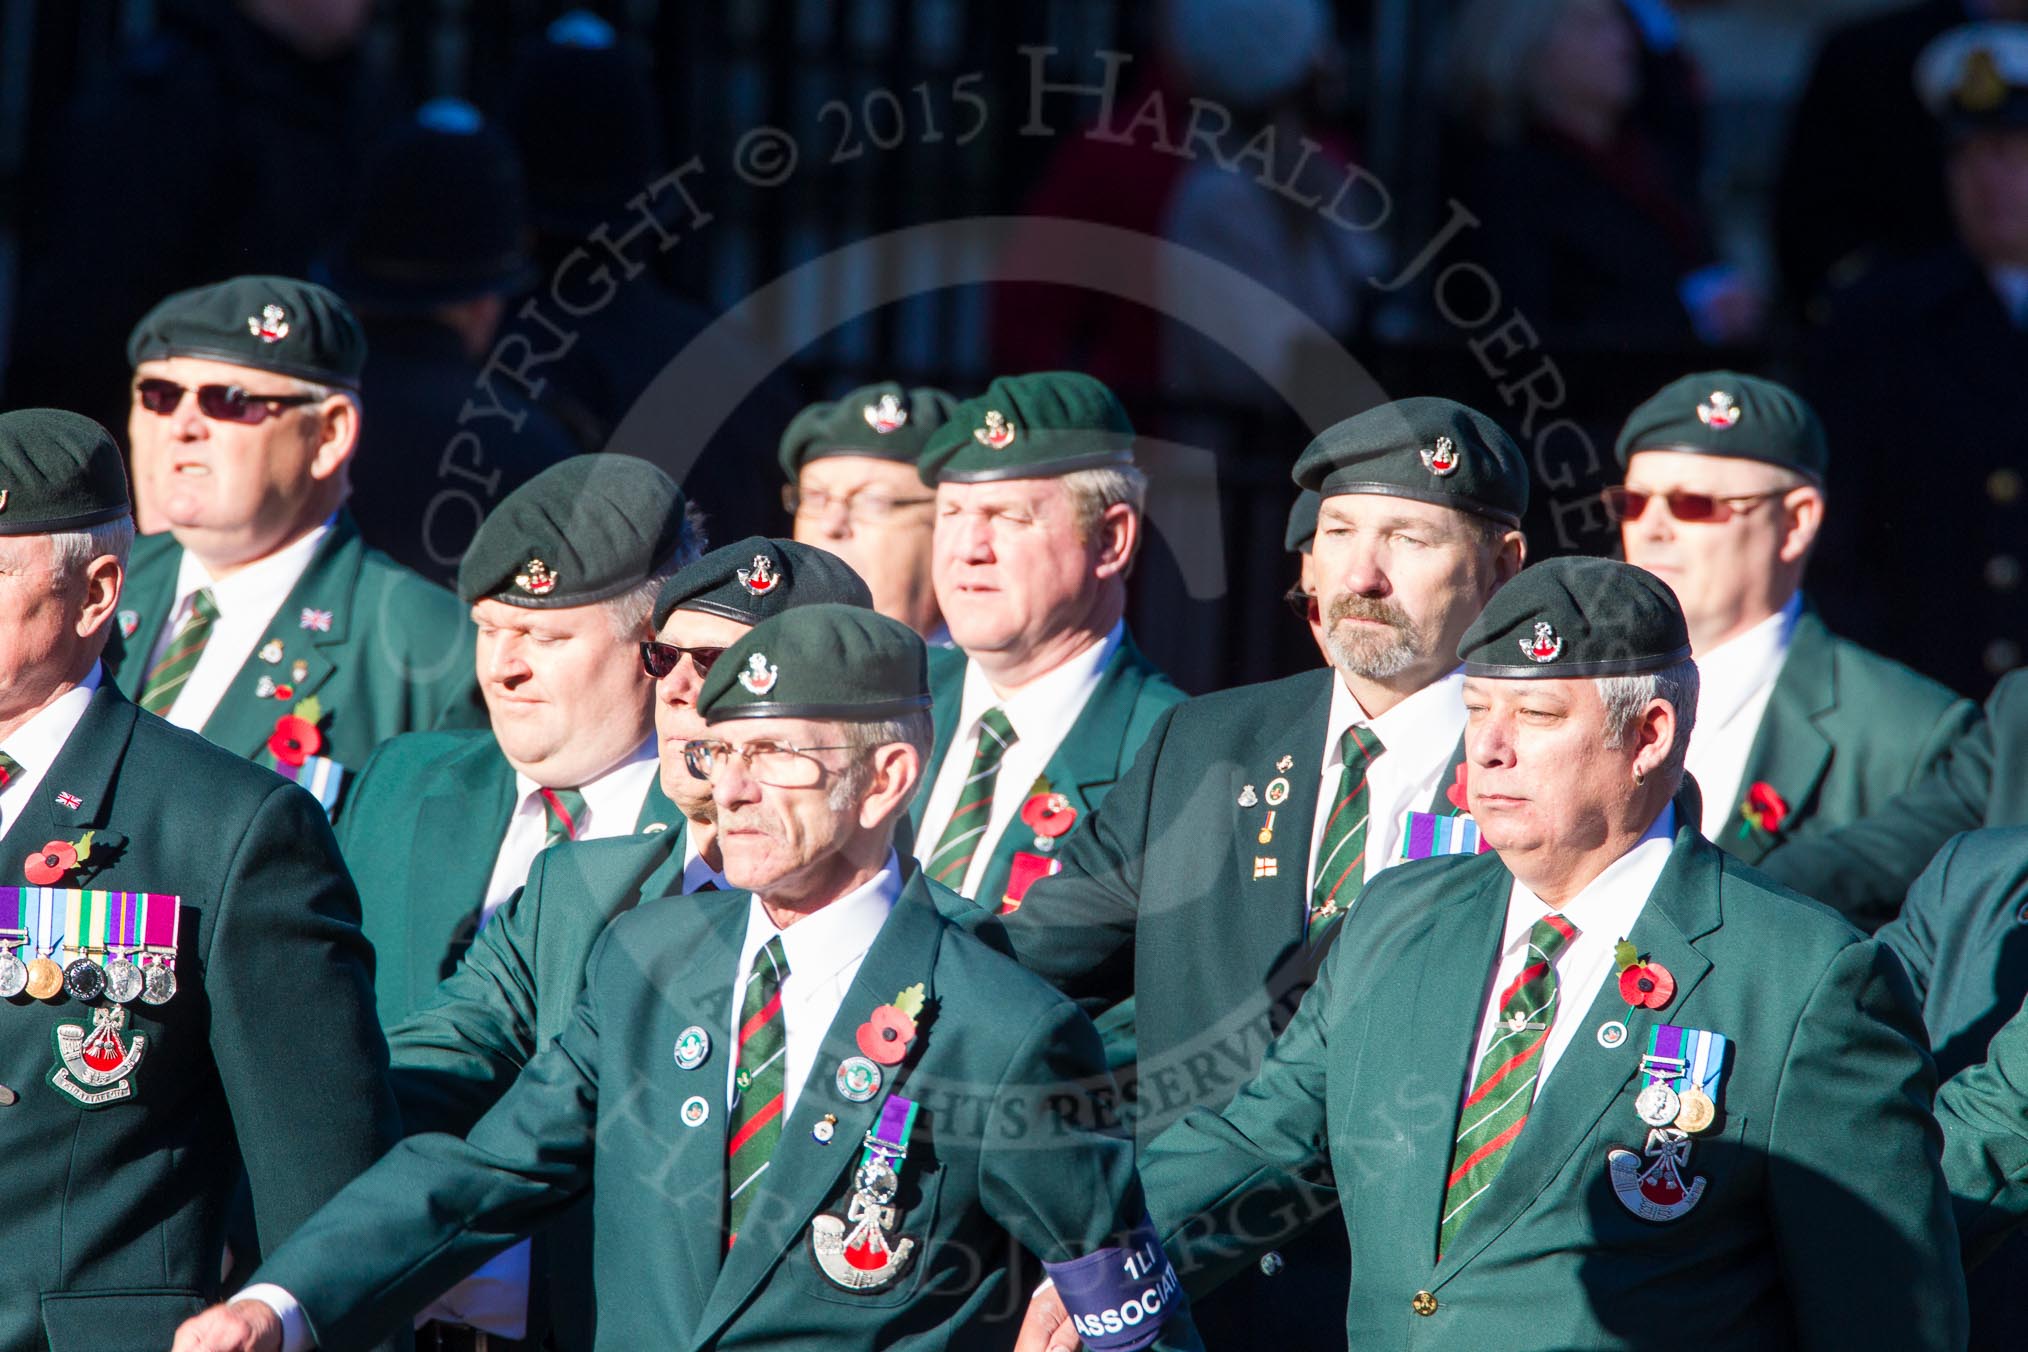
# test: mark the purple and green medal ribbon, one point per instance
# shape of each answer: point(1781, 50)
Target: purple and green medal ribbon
point(124, 911)
point(13, 926)
point(887, 1143)
point(1664, 1062)
point(1686, 1058)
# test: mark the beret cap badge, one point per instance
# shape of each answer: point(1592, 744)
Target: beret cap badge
point(1442, 459)
point(1546, 646)
point(760, 675)
point(537, 579)
point(885, 416)
point(997, 434)
point(761, 578)
point(1719, 411)
point(271, 325)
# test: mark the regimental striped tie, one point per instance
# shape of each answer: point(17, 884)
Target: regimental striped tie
point(1341, 854)
point(167, 677)
point(565, 809)
point(758, 1083)
point(967, 825)
point(1497, 1108)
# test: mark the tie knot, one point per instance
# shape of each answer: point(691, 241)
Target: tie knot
point(565, 808)
point(994, 722)
point(203, 605)
point(772, 962)
point(9, 768)
point(1551, 935)
point(1360, 745)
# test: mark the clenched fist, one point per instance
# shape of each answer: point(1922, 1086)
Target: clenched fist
point(238, 1326)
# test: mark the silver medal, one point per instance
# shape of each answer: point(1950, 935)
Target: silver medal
point(1657, 1105)
point(124, 982)
point(161, 984)
point(13, 975)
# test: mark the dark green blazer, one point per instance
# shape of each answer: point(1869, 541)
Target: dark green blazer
point(397, 657)
point(266, 1060)
point(1004, 1152)
point(1865, 867)
point(1845, 730)
point(1821, 1176)
point(1986, 1142)
point(421, 833)
point(1131, 693)
point(1963, 936)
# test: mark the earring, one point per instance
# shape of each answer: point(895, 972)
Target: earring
point(1640, 778)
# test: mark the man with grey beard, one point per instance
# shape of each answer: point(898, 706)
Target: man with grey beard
point(1210, 882)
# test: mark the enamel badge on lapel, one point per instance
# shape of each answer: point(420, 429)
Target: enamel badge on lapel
point(857, 1252)
point(318, 621)
point(96, 1067)
point(1277, 792)
point(693, 1045)
point(1247, 797)
point(271, 651)
point(130, 620)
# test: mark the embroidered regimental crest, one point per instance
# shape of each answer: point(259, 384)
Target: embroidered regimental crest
point(762, 577)
point(536, 579)
point(885, 416)
point(997, 434)
point(271, 325)
point(1546, 646)
point(1719, 411)
point(1656, 1192)
point(1442, 459)
point(760, 674)
point(96, 1066)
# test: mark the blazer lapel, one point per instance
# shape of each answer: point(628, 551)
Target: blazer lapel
point(658, 811)
point(148, 604)
point(1589, 1079)
point(244, 718)
point(1790, 752)
point(1272, 874)
point(803, 1174)
point(470, 800)
point(84, 769)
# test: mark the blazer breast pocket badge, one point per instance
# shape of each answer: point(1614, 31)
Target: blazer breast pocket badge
point(857, 1252)
point(1681, 1075)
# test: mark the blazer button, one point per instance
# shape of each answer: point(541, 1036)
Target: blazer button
point(1424, 1303)
point(1270, 1264)
point(7, 1097)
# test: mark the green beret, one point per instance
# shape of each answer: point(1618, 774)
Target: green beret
point(58, 472)
point(1302, 529)
point(1030, 427)
point(822, 661)
point(1725, 413)
point(884, 421)
point(1431, 450)
point(268, 323)
point(586, 529)
point(1577, 617)
point(758, 578)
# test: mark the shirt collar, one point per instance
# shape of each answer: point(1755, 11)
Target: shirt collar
point(696, 872)
point(1433, 715)
point(1043, 710)
point(832, 938)
point(618, 790)
point(1735, 671)
point(35, 744)
point(1609, 903)
point(261, 586)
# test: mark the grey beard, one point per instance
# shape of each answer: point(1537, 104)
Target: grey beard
point(1372, 656)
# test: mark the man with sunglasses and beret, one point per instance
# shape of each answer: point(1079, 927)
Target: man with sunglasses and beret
point(257, 615)
point(513, 990)
point(1216, 874)
point(816, 1112)
point(186, 1003)
point(853, 490)
point(1602, 1086)
point(1798, 730)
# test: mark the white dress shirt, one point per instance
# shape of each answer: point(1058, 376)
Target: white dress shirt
point(1734, 682)
point(696, 873)
point(1604, 913)
point(824, 950)
point(1419, 735)
point(35, 744)
point(247, 604)
point(612, 804)
point(1041, 714)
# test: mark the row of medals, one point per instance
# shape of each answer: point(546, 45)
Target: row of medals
point(121, 980)
point(1690, 1112)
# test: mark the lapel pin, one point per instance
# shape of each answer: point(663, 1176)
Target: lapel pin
point(1285, 764)
point(693, 1045)
point(299, 671)
point(1277, 791)
point(69, 800)
point(271, 651)
point(858, 1079)
point(695, 1111)
point(130, 620)
point(826, 1128)
point(1247, 797)
point(1265, 866)
point(1267, 830)
point(1611, 1034)
point(264, 688)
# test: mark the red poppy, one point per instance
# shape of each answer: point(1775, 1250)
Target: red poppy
point(285, 692)
point(885, 1036)
point(1647, 984)
point(1048, 814)
point(294, 740)
point(47, 866)
point(1456, 792)
point(1764, 807)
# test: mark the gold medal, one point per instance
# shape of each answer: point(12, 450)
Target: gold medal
point(45, 979)
point(1695, 1112)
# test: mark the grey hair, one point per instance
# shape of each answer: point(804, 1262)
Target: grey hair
point(1627, 696)
point(631, 610)
point(1092, 491)
point(913, 730)
point(70, 551)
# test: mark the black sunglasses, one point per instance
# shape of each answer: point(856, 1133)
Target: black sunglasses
point(221, 403)
point(659, 659)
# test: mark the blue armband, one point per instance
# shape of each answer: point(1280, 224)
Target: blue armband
point(1120, 1296)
